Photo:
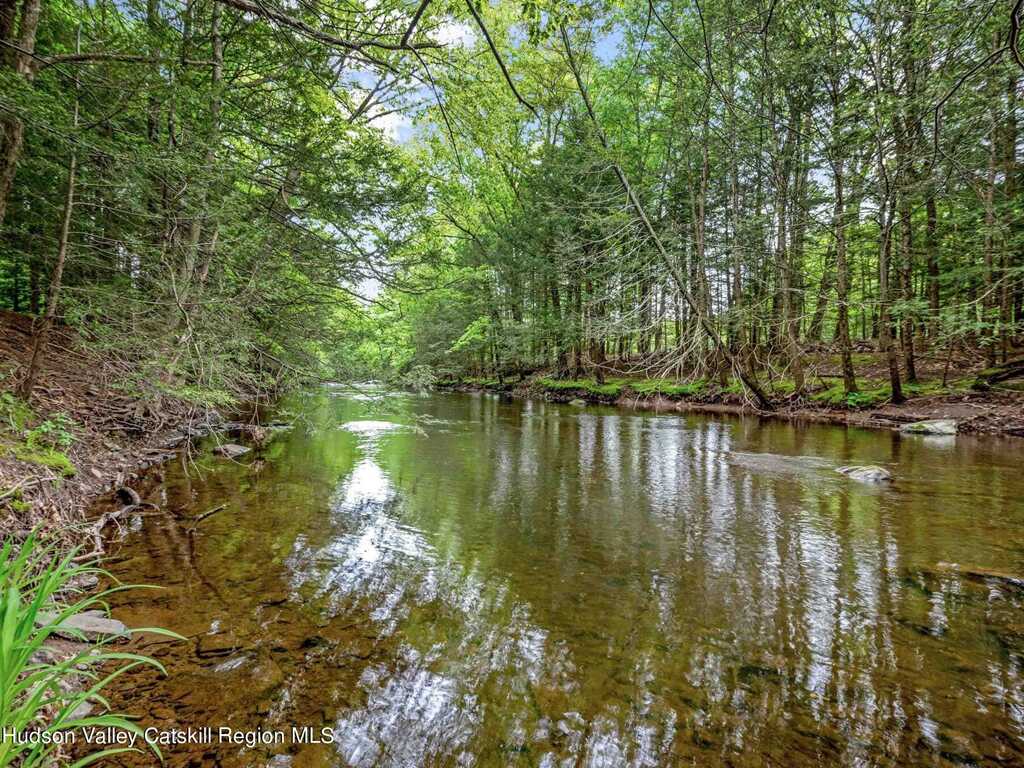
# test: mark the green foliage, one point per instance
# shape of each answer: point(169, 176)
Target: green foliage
point(735, 387)
point(46, 457)
point(419, 377)
point(54, 433)
point(45, 444)
point(226, 242)
point(15, 414)
point(669, 388)
point(37, 595)
point(611, 387)
point(869, 396)
point(476, 335)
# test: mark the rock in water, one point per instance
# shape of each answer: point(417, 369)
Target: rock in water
point(92, 625)
point(231, 450)
point(931, 427)
point(868, 474)
point(578, 402)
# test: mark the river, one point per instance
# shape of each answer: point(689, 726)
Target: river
point(456, 580)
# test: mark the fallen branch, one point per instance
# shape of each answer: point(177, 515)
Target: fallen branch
point(209, 513)
point(1009, 370)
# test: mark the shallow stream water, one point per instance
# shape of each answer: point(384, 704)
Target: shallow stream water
point(454, 580)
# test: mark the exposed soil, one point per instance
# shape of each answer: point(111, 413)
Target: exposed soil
point(117, 433)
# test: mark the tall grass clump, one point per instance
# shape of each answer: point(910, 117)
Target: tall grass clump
point(41, 695)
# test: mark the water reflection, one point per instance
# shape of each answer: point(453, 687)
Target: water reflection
point(459, 581)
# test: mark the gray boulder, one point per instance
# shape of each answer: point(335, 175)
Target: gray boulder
point(866, 474)
point(231, 450)
point(930, 427)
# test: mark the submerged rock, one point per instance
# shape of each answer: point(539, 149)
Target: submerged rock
point(777, 462)
point(231, 450)
point(931, 427)
point(93, 625)
point(240, 430)
point(217, 644)
point(867, 474)
point(578, 402)
point(983, 575)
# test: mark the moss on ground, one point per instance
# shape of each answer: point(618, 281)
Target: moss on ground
point(29, 438)
point(46, 457)
point(669, 388)
point(871, 394)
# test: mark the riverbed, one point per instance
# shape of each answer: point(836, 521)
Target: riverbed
point(458, 580)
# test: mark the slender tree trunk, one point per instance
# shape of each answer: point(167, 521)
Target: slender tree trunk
point(988, 300)
point(821, 303)
point(1009, 221)
point(885, 342)
point(907, 286)
point(53, 295)
point(886, 211)
point(33, 286)
point(905, 123)
point(932, 255)
point(842, 281)
point(13, 129)
point(785, 260)
point(8, 16)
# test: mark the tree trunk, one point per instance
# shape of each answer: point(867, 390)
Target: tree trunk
point(842, 281)
point(8, 16)
point(53, 296)
point(886, 346)
point(932, 254)
point(13, 128)
point(824, 289)
point(1009, 215)
point(906, 286)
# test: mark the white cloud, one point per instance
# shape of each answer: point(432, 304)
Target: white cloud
point(396, 126)
point(458, 34)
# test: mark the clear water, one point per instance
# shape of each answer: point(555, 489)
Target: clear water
point(456, 580)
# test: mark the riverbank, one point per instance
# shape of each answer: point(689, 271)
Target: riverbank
point(85, 433)
point(993, 411)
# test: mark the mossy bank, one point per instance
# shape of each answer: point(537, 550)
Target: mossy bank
point(992, 411)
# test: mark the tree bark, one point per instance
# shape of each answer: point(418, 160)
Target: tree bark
point(932, 255)
point(842, 281)
point(13, 127)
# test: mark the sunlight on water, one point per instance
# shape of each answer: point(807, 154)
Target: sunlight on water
point(527, 584)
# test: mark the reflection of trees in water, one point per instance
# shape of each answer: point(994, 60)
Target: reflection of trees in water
point(533, 585)
point(739, 605)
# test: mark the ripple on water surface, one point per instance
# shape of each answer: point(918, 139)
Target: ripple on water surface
point(549, 586)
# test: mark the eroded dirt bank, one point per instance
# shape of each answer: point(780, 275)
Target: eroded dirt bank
point(83, 434)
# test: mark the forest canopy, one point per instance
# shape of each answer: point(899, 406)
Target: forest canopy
point(232, 195)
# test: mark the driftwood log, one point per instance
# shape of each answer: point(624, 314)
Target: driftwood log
point(1012, 369)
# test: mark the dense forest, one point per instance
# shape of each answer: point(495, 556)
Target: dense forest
point(228, 194)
